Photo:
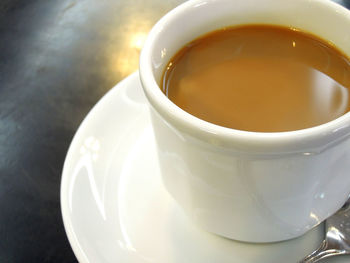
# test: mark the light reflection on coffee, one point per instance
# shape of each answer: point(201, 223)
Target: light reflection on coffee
point(260, 78)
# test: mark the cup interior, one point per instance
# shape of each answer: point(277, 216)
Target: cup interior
point(195, 18)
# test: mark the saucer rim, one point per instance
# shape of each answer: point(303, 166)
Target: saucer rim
point(78, 251)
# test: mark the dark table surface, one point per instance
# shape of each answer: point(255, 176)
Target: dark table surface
point(57, 59)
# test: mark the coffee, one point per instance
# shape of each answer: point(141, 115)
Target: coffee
point(260, 78)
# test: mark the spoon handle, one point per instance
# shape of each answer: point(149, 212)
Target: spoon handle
point(323, 251)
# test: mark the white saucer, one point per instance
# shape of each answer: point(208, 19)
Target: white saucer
point(115, 208)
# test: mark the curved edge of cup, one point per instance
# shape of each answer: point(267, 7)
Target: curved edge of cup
point(317, 137)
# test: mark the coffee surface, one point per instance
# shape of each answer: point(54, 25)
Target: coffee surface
point(260, 78)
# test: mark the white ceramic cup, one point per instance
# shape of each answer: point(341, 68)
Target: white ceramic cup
point(248, 186)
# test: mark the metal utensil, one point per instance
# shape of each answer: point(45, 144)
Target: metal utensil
point(337, 240)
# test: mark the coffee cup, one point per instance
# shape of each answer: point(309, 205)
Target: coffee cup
point(243, 185)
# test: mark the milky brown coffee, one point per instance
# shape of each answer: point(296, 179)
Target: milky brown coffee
point(260, 78)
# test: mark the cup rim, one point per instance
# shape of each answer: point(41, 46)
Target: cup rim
point(302, 140)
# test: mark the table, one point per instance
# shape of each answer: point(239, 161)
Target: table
point(57, 59)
